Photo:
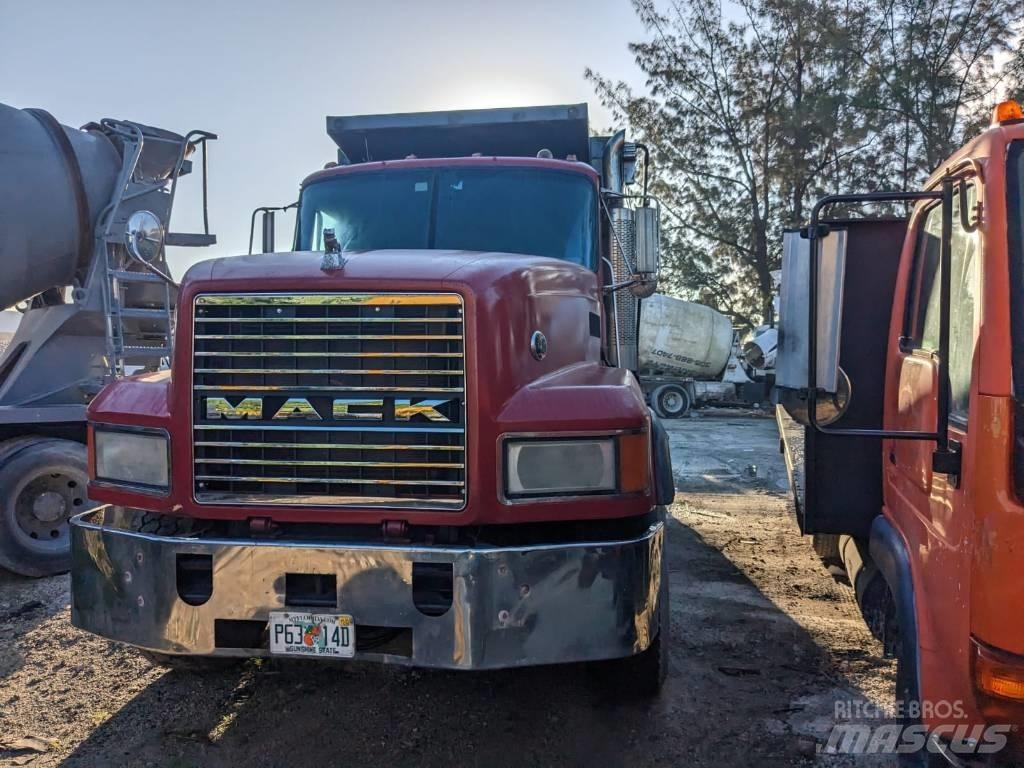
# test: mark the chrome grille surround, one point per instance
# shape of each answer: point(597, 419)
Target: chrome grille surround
point(329, 399)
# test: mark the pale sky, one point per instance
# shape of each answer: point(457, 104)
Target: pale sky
point(264, 75)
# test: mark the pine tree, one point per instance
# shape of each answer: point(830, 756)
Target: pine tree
point(755, 110)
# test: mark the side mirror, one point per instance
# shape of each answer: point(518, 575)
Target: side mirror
point(647, 250)
point(791, 367)
point(267, 224)
point(268, 231)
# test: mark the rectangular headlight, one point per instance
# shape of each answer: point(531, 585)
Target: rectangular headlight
point(132, 458)
point(554, 467)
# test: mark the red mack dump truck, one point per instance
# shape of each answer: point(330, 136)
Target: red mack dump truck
point(415, 438)
point(901, 351)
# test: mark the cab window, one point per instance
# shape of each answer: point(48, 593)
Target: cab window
point(922, 332)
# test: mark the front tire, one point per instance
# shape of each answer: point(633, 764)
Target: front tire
point(642, 676)
point(43, 483)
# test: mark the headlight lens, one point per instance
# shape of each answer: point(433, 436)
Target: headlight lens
point(552, 467)
point(132, 458)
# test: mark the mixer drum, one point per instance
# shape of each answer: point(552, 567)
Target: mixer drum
point(683, 338)
point(48, 208)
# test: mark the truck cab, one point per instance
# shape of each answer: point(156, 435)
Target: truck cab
point(901, 354)
point(411, 439)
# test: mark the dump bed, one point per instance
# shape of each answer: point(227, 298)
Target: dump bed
point(506, 132)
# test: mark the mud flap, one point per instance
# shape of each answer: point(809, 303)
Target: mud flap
point(664, 480)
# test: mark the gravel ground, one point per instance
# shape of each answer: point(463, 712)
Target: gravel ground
point(765, 644)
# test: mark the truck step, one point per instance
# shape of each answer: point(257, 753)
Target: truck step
point(139, 313)
point(136, 277)
point(135, 353)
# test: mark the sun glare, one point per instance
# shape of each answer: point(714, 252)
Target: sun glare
point(478, 94)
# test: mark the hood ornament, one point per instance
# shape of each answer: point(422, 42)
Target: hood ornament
point(538, 345)
point(334, 258)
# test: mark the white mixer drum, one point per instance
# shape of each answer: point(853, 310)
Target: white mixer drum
point(683, 338)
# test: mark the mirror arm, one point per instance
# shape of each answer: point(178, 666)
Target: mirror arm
point(813, 234)
point(265, 209)
point(615, 311)
point(620, 286)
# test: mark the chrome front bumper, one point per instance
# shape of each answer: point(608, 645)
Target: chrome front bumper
point(516, 606)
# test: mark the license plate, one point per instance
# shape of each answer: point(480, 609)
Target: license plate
point(312, 634)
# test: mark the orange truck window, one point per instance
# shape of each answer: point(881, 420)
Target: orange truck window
point(924, 307)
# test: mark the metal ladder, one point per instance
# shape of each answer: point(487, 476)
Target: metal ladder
point(142, 334)
point(137, 347)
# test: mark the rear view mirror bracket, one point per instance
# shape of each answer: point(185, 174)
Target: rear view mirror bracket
point(268, 212)
point(946, 459)
point(949, 462)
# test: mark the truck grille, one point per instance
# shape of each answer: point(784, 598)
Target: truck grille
point(329, 399)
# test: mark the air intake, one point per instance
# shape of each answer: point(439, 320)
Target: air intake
point(623, 334)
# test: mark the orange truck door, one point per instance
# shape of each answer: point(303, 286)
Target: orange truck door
point(933, 510)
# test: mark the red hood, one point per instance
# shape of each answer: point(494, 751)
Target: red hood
point(507, 297)
point(367, 268)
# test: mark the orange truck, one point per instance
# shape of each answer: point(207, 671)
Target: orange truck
point(901, 380)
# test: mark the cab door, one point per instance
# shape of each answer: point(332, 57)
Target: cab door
point(931, 509)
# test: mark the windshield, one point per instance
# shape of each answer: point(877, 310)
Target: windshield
point(533, 211)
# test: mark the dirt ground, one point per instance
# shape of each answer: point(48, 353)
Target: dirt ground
point(765, 643)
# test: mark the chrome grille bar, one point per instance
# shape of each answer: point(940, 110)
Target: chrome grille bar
point(320, 371)
point(332, 446)
point(309, 388)
point(329, 354)
point(297, 480)
point(264, 428)
point(275, 434)
point(329, 299)
point(299, 463)
point(323, 337)
point(394, 320)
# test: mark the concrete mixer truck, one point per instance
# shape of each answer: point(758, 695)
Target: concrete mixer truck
point(83, 227)
point(689, 354)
